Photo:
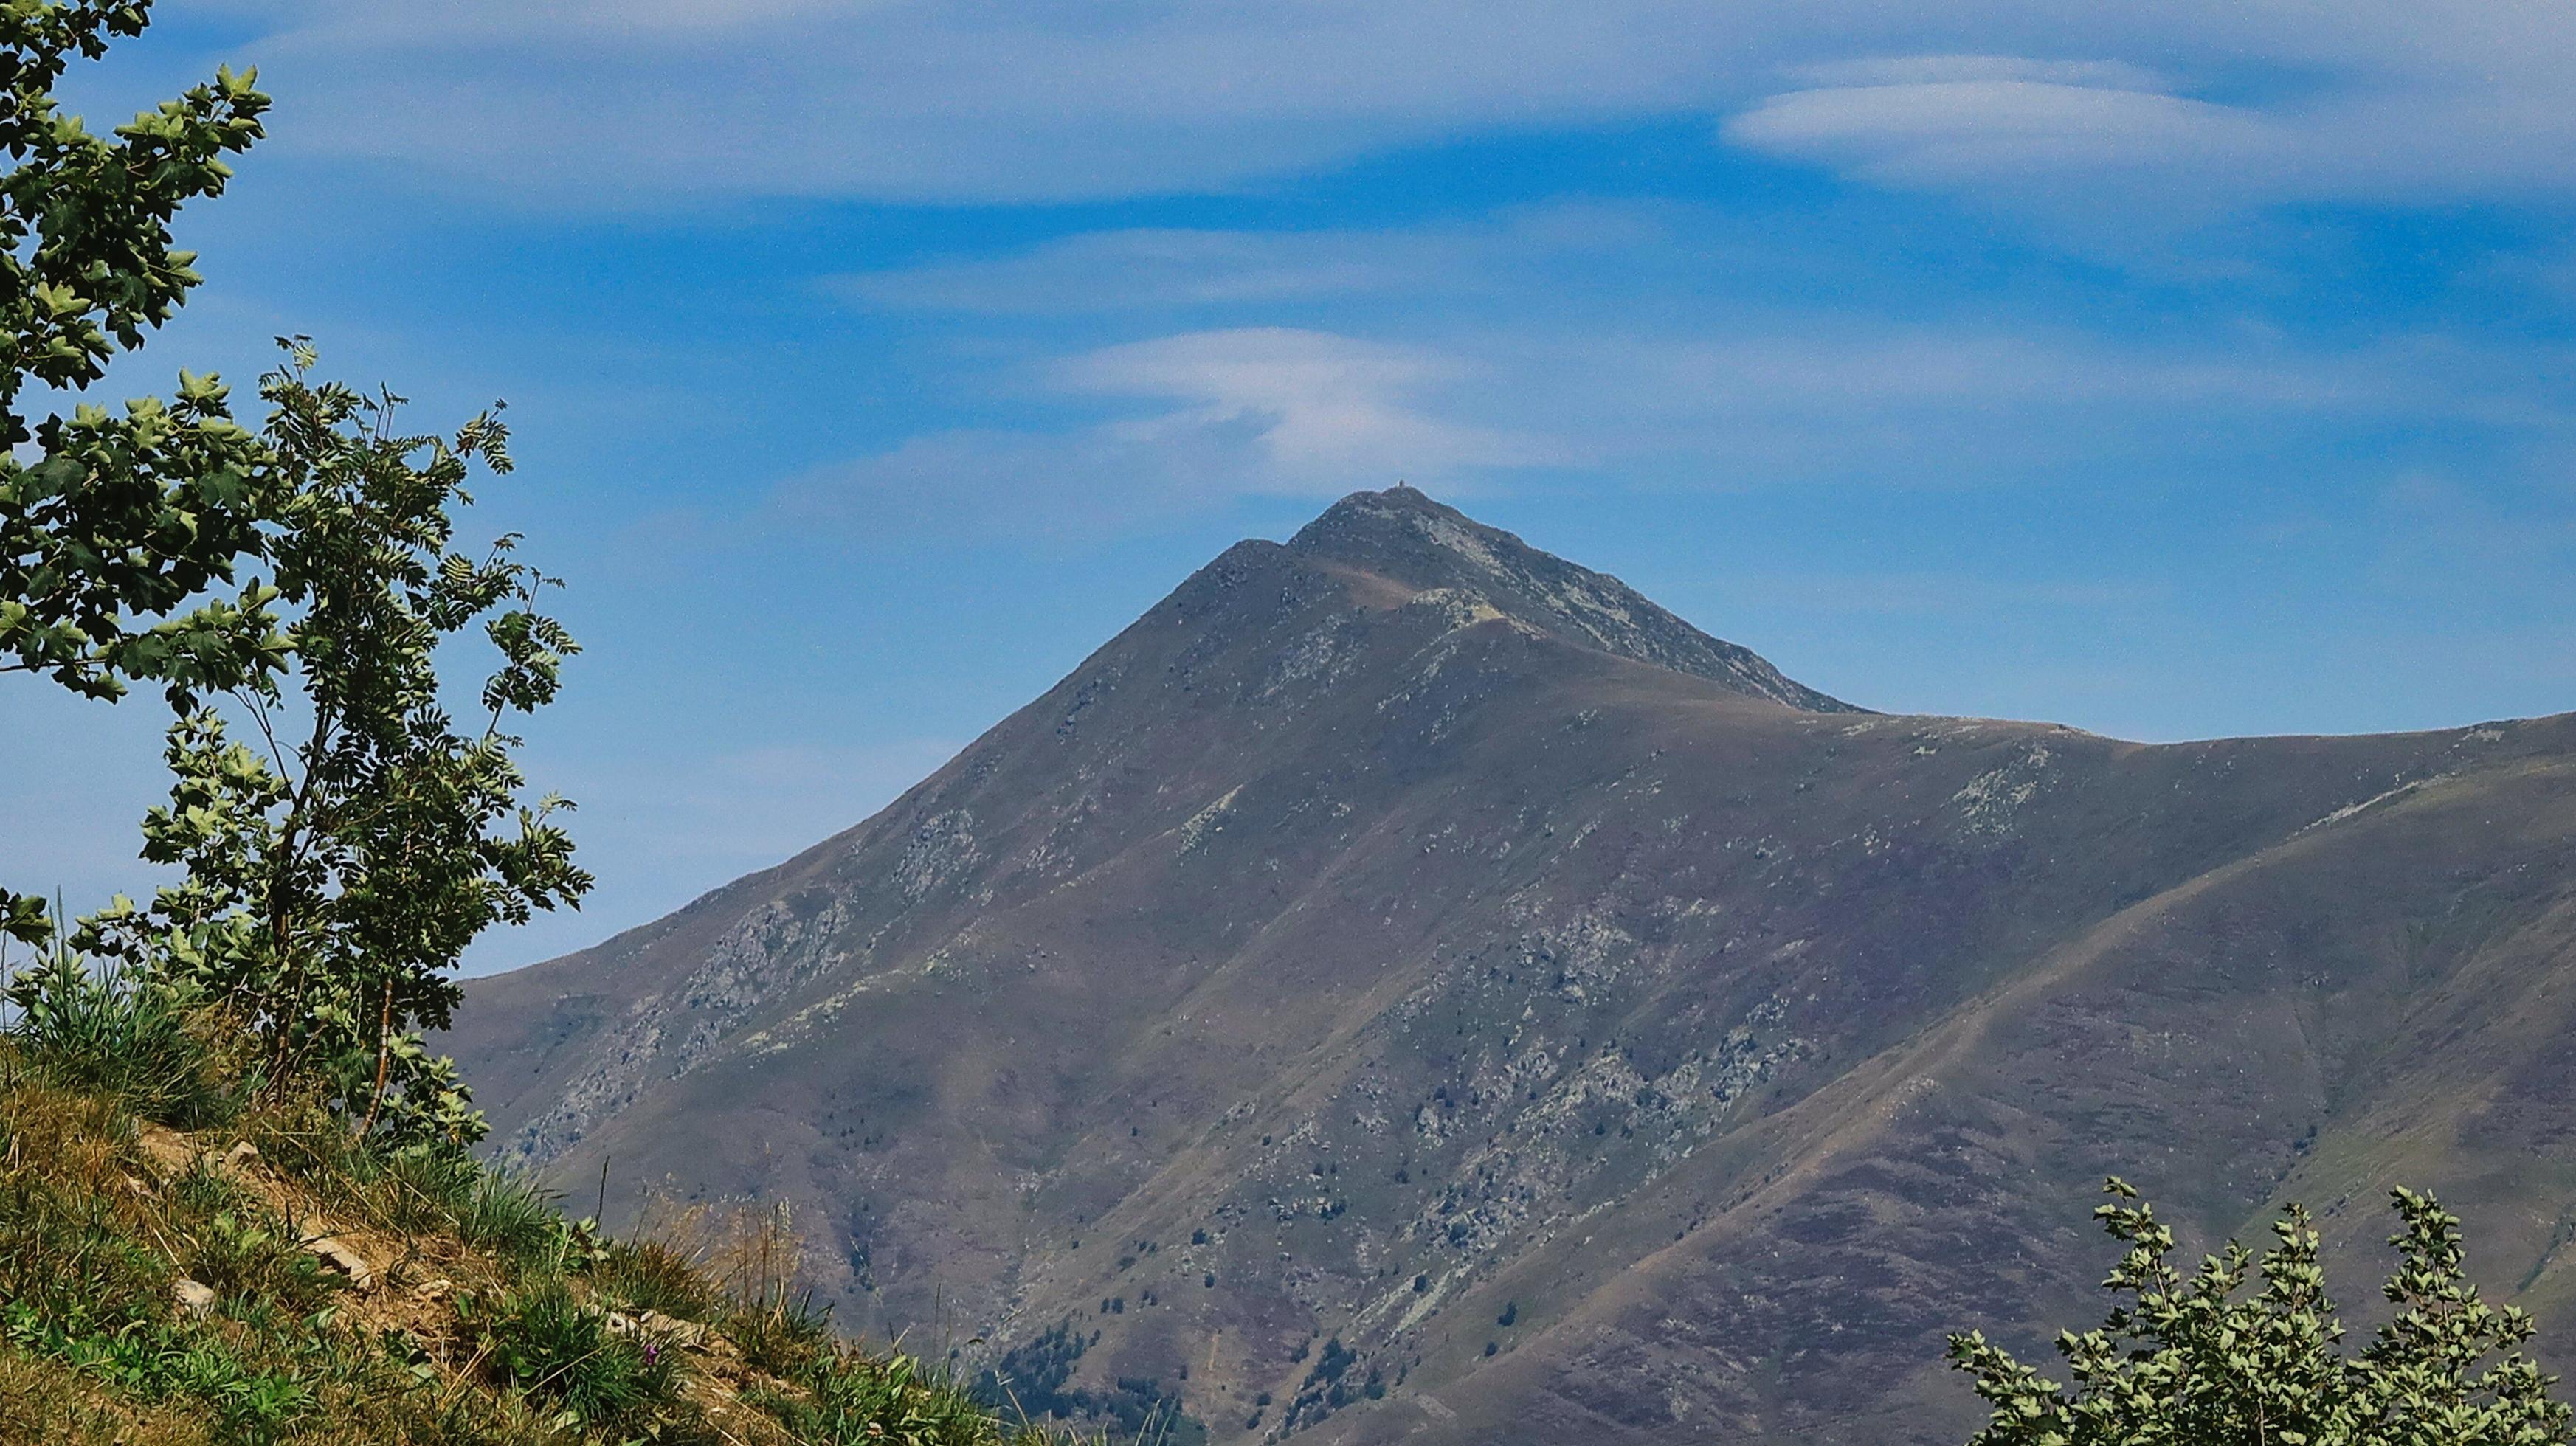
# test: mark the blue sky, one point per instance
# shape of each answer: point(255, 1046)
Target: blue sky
point(2189, 372)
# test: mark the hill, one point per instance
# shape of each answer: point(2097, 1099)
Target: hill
point(187, 1261)
point(1407, 986)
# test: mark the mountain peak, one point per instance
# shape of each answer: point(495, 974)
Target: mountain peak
point(1405, 536)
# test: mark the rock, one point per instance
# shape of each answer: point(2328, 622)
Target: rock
point(337, 1255)
point(165, 1151)
point(234, 1161)
point(687, 1334)
point(434, 1290)
point(195, 1297)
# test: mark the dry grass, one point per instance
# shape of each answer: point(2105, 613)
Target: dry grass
point(484, 1319)
point(44, 1401)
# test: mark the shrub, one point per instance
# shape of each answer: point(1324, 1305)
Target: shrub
point(2192, 1359)
point(162, 1363)
point(419, 1189)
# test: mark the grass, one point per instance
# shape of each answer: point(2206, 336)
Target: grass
point(562, 1351)
point(489, 1320)
point(100, 1031)
point(655, 1275)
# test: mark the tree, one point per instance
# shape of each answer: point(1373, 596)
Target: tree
point(2185, 1361)
point(112, 537)
point(336, 873)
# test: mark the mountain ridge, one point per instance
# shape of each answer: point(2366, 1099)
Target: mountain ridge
point(1403, 535)
point(1375, 939)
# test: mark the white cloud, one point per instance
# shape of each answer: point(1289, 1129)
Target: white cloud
point(1194, 420)
point(1171, 269)
point(661, 101)
point(1321, 408)
point(1122, 270)
point(1959, 69)
point(1199, 418)
point(581, 104)
point(1819, 398)
point(2011, 132)
point(1936, 594)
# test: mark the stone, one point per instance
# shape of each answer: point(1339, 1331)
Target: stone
point(195, 1297)
point(165, 1151)
point(336, 1254)
point(686, 1334)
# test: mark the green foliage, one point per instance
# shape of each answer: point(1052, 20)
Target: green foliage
point(97, 1224)
point(158, 1362)
point(67, 1259)
point(119, 515)
point(246, 1254)
point(86, 1271)
point(334, 880)
point(782, 1336)
point(2193, 1360)
point(119, 520)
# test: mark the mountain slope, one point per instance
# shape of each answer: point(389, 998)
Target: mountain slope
point(1399, 930)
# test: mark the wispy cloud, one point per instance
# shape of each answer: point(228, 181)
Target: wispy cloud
point(1322, 408)
point(2012, 124)
point(1196, 419)
point(1778, 396)
point(661, 101)
point(1107, 271)
point(2438, 104)
point(1161, 269)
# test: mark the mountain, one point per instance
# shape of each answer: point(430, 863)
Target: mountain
point(1418, 984)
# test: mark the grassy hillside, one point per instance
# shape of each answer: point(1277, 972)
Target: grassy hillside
point(183, 1267)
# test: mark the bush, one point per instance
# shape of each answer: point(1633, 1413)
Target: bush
point(2190, 1358)
point(786, 1338)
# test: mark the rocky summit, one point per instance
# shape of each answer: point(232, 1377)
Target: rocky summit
point(1407, 986)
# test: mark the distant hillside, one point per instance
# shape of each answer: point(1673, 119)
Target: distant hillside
point(1408, 986)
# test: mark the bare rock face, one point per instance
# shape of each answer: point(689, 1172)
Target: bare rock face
point(1417, 980)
